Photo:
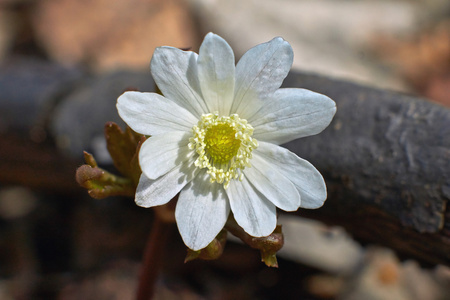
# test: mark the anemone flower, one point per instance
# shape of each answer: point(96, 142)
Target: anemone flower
point(215, 137)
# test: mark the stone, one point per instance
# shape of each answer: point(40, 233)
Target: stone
point(16, 202)
point(312, 243)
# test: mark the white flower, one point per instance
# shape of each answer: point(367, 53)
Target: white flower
point(215, 136)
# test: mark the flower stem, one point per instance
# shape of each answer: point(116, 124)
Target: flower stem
point(154, 251)
point(268, 245)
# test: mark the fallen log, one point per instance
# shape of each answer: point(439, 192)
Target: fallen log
point(385, 156)
point(386, 160)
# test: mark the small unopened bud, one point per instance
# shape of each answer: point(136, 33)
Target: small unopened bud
point(213, 251)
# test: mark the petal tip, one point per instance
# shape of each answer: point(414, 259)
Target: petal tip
point(141, 201)
point(282, 41)
point(209, 35)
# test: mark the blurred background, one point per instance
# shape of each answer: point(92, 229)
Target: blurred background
point(401, 45)
point(63, 64)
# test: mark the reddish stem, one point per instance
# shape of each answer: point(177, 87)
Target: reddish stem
point(154, 251)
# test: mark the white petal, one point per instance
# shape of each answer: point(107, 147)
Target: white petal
point(175, 73)
point(161, 153)
point(160, 191)
point(274, 185)
point(308, 181)
point(150, 113)
point(201, 211)
point(292, 114)
point(216, 73)
point(259, 72)
point(251, 210)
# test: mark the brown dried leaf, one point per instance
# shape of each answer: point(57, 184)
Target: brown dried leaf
point(111, 35)
point(422, 60)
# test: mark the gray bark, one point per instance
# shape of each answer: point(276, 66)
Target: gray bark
point(386, 160)
point(385, 156)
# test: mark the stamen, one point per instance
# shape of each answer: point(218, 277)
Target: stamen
point(224, 146)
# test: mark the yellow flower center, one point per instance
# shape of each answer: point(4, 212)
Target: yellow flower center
point(224, 146)
point(221, 143)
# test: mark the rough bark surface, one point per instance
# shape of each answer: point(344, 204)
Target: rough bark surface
point(386, 159)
